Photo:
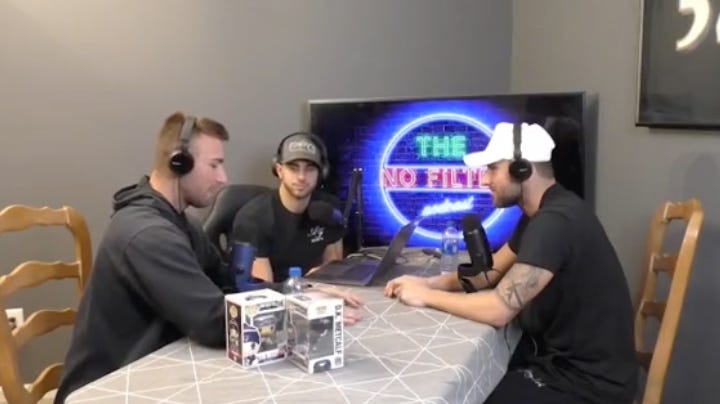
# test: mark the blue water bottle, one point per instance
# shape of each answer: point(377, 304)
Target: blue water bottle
point(243, 255)
point(449, 249)
point(294, 283)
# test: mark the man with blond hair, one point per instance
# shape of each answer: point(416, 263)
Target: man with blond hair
point(156, 276)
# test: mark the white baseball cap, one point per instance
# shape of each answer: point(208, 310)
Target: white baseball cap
point(536, 145)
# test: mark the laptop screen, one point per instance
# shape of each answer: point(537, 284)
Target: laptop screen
point(397, 244)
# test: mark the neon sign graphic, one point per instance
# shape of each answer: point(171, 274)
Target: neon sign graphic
point(419, 158)
point(447, 206)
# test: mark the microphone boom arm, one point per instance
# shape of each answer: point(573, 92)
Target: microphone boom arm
point(359, 213)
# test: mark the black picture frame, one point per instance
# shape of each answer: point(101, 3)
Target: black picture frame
point(678, 78)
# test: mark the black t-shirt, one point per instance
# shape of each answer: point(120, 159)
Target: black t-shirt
point(581, 324)
point(287, 239)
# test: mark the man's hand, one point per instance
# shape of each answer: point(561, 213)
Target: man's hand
point(351, 316)
point(352, 312)
point(410, 290)
point(404, 280)
point(313, 269)
point(412, 293)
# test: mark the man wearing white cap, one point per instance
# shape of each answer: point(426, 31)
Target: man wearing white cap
point(558, 276)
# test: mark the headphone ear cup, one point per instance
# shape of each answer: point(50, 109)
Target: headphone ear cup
point(181, 162)
point(520, 170)
point(325, 170)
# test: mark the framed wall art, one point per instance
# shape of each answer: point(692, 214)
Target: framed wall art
point(679, 67)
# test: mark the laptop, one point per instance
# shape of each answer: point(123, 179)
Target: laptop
point(361, 272)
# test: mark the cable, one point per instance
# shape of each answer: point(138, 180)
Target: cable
point(433, 252)
point(467, 284)
point(487, 278)
point(177, 195)
point(507, 342)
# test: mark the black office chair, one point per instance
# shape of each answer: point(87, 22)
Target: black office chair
point(218, 224)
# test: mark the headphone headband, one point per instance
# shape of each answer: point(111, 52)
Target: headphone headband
point(186, 131)
point(517, 132)
point(520, 168)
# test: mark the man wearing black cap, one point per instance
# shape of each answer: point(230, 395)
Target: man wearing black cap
point(277, 223)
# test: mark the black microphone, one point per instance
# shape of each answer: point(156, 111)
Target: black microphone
point(477, 243)
point(478, 249)
point(325, 214)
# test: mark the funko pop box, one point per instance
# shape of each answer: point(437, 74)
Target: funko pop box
point(315, 331)
point(255, 327)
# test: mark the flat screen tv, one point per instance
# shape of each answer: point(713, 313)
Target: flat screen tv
point(410, 152)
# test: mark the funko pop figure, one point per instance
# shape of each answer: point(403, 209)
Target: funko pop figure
point(317, 342)
point(255, 327)
point(315, 332)
point(321, 337)
point(251, 345)
point(299, 339)
point(267, 324)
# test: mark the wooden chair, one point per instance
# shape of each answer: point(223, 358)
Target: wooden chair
point(677, 267)
point(29, 274)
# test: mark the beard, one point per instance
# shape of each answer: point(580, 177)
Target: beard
point(510, 197)
point(199, 200)
point(197, 195)
point(298, 194)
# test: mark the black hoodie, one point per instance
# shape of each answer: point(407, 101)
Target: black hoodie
point(156, 278)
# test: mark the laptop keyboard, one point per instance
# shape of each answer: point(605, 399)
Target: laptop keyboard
point(348, 269)
point(359, 267)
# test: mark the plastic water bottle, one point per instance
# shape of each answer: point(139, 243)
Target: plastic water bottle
point(294, 283)
point(449, 249)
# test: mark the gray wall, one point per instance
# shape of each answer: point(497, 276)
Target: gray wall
point(594, 45)
point(85, 86)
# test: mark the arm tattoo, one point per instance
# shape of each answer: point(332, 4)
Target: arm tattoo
point(518, 285)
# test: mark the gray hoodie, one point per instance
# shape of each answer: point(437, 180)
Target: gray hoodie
point(156, 278)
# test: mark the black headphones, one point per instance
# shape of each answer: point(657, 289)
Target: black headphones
point(316, 140)
point(181, 161)
point(520, 169)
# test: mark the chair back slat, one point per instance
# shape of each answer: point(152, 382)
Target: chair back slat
point(678, 268)
point(40, 323)
point(17, 218)
point(33, 273)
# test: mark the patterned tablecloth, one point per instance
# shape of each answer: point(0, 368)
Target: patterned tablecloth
point(397, 354)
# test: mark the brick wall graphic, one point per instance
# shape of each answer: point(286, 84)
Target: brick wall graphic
point(412, 164)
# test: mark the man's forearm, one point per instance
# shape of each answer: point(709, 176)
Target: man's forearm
point(484, 306)
point(450, 282)
point(333, 252)
point(261, 269)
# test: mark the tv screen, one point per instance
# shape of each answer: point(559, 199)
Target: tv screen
point(411, 153)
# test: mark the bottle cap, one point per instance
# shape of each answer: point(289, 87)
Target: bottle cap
point(295, 272)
